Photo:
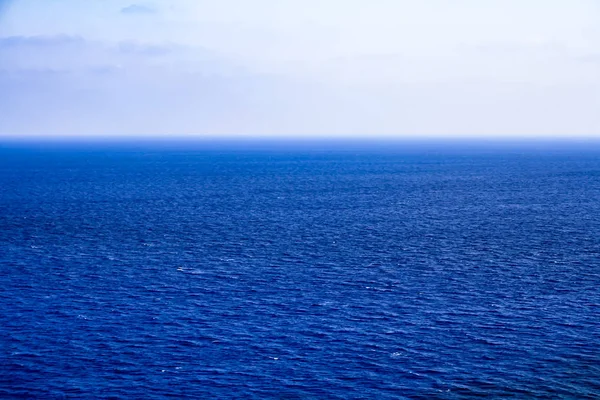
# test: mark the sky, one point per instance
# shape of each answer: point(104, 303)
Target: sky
point(314, 68)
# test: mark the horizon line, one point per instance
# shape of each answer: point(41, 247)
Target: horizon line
point(302, 143)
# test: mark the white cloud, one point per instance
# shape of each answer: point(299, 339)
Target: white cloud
point(138, 9)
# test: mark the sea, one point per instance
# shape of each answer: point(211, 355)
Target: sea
point(300, 270)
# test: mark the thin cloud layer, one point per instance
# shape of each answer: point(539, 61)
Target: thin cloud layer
point(327, 67)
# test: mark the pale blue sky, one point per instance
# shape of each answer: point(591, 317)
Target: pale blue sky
point(300, 68)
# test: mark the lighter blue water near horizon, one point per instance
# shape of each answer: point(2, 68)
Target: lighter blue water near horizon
point(377, 274)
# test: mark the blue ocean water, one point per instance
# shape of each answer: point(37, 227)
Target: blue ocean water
point(298, 273)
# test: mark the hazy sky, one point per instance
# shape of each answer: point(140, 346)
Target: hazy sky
point(300, 67)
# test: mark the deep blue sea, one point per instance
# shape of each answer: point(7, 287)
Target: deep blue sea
point(299, 272)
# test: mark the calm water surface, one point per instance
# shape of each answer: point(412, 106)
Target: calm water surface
point(299, 274)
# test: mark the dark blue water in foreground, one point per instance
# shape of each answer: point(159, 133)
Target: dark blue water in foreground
point(299, 274)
